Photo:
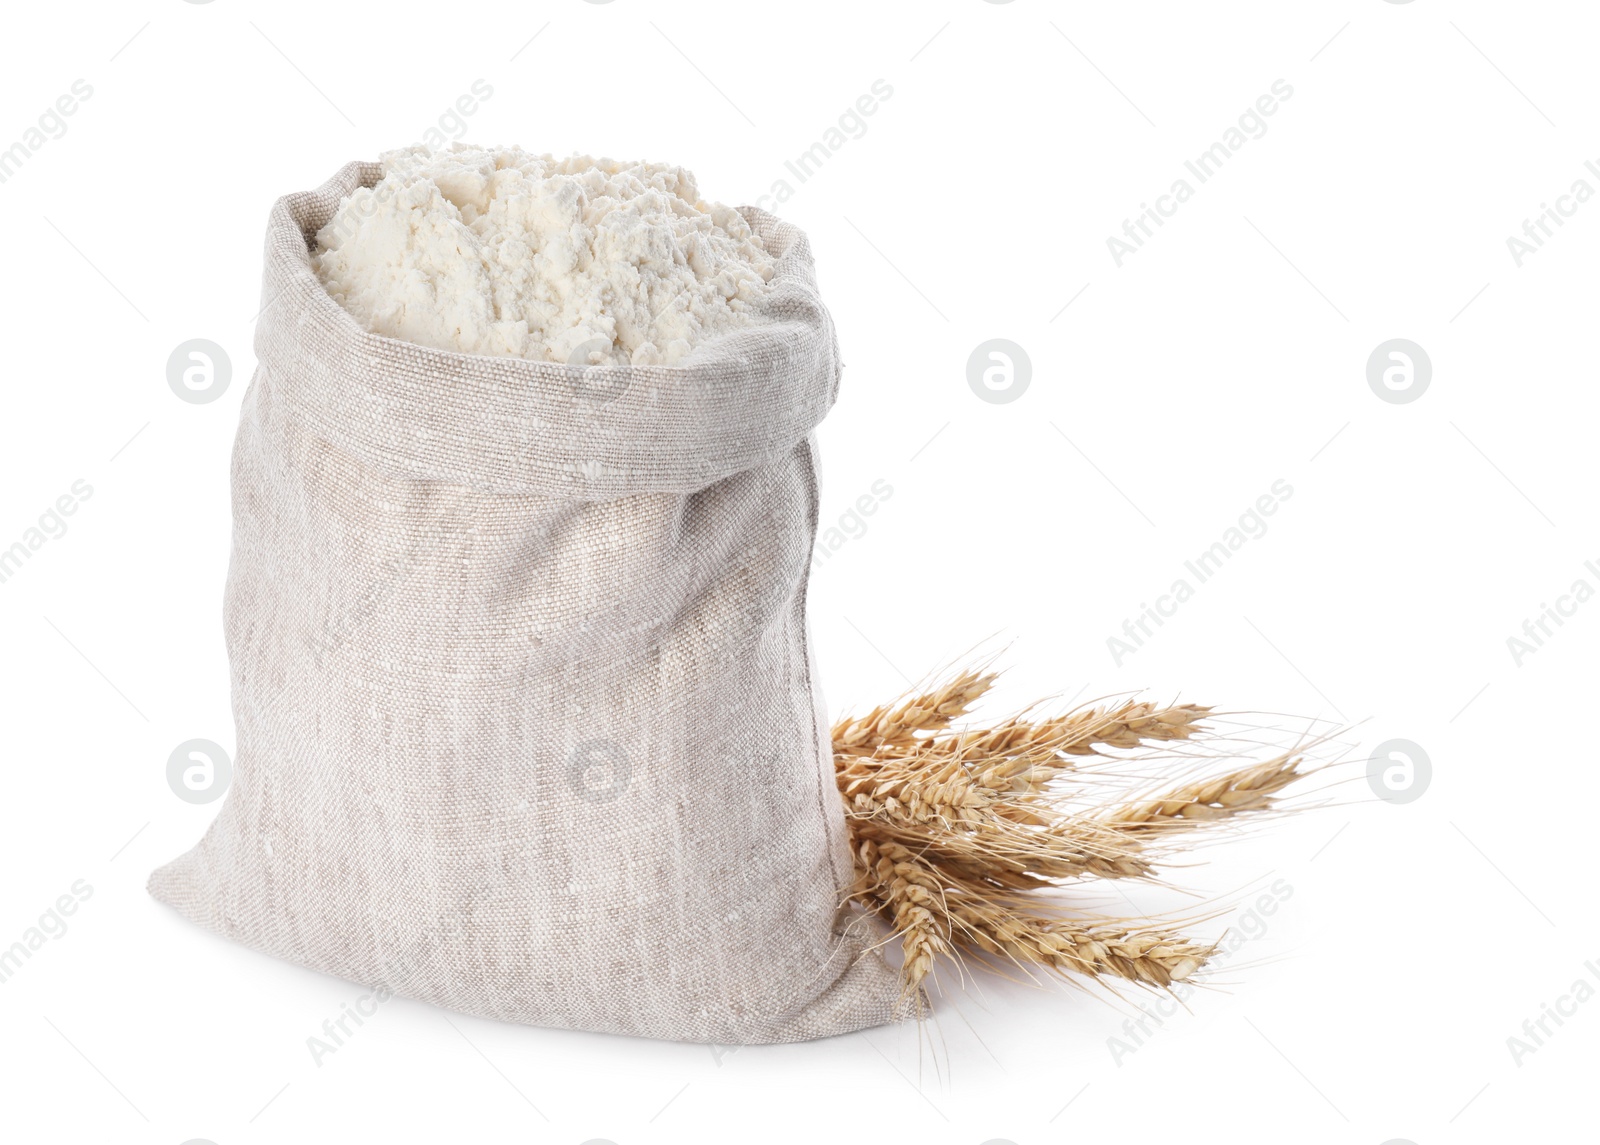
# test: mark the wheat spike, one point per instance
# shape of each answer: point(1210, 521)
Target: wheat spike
point(1085, 732)
point(895, 883)
point(956, 832)
point(1247, 789)
point(899, 724)
point(1146, 955)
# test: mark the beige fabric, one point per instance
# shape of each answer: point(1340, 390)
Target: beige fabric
point(527, 724)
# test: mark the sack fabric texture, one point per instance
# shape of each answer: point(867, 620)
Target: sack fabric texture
point(527, 722)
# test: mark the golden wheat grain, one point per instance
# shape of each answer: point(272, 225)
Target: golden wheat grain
point(899, 724)
point(894, 882)
point(1011, 855)
point(1146, 955)
point(1248, 789)
point(879, 764)
point(1086, 731)
point(970, 775)
point(934, 924)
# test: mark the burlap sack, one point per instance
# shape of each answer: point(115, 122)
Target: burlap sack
point(527, 716)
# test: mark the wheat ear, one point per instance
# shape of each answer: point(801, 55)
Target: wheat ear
point(955, 832)
point(1252, 788)
point(898, 724)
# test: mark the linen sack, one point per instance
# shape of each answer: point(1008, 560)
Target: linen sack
point(527, 723)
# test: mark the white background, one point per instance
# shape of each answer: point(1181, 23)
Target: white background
point(1172, 392)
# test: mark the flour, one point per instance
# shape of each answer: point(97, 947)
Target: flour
point(497, 251)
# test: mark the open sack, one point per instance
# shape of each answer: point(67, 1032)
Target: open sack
point(526, 711)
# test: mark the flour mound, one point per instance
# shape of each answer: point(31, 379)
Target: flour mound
point(498, 251)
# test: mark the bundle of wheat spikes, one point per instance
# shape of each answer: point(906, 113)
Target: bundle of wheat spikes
point(955, 832)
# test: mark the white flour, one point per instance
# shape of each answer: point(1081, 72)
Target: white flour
point(497, 251)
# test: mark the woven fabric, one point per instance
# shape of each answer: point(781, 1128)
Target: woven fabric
point(527, 723)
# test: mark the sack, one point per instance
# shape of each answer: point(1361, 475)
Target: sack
point(527, 716)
